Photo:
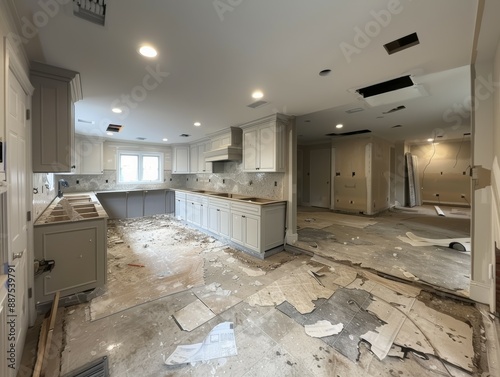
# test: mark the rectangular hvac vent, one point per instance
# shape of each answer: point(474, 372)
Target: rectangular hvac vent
point(356, 110)
point(350, 133)
point(257, 104)
point(386, 86)
point(90, 10)
point(401, 44)
point(114, 128)
point(140, 138)
point(184, 135)
point(86, 121)
point(393, 110)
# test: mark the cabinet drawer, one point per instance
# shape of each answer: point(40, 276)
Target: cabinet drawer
point(248, 208)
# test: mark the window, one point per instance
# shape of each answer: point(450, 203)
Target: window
point(144, 167)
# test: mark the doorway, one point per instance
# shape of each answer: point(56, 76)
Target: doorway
point(320, 177)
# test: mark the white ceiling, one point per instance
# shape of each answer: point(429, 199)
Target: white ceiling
point(215, 60)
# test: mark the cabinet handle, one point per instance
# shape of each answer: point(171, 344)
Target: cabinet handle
point(218, 210)
point(18, 255)
point(243, 216)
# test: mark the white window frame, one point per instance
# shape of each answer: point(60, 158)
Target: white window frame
point(140, 155)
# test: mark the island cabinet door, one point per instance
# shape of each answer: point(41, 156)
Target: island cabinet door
point(155, 202)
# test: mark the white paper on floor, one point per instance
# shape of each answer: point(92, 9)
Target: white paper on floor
point(445, 242)
point(193, 315)
point(220, 342)
point(323, 328)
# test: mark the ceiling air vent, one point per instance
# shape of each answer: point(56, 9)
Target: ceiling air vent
point(402, 43)
point(355, 110)
point(391, 91)
point(140, 138)
point(257, 104)
point(397, 126)
point(90, 10)
point(350, 133)
point(393, 110)
point(184, 135)
point(114, 128)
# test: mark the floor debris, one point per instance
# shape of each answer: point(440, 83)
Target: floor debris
point(193, 315)
point(439, 211)
point(323, 328)
point(219, 343)
point(461, 244)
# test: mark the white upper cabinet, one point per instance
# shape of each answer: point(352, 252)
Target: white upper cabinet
point(197, 162)
point(264, 145)
point(180, 159)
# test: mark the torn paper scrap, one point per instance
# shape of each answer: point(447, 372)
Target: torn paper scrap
point(220, 342)
point(323, 328)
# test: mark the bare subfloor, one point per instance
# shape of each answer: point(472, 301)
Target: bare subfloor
point(373, 243)
point(388, 328)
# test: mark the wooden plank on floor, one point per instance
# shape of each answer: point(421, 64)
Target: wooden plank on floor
point(41, 348)
point(50, 330)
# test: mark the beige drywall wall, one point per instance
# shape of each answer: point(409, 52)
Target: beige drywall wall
point(441, 168)
point(351, 182)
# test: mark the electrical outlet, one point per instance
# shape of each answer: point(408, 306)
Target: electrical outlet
point(436, 194)
point(462, 196)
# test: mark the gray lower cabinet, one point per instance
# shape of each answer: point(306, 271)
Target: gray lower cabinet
point(79, 252)
point(129, 204)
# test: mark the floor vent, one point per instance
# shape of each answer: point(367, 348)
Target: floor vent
point(401, 44)
point(257, 104)
point(96, 368)
point(90, 10)
point(114, 128)
point(350, 133)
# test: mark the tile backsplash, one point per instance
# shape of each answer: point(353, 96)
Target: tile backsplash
point(43, 192)
point(227, 177)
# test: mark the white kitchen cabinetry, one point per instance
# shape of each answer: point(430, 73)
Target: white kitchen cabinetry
point(264, 145)
point(180, 159)
point(56, 91)
point(219, 217)
point(180, 205)
point(197, 210)
point(203, 166)
point(245, 229)
point(89, 155)
point(193, 159)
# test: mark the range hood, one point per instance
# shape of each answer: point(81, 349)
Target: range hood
point(227, 153)
point(226, 145)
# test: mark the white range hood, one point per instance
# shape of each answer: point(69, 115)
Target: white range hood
point(226, 146)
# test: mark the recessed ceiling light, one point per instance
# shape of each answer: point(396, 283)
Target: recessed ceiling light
point(109, 133)
point(430, 140)
point(116, 110)
point(147, 51)
point(325, 72)
point(339, 125)
point(257, 94)
point(197, 124)
point(165, 139)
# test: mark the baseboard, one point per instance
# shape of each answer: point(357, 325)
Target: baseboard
point(480, 292)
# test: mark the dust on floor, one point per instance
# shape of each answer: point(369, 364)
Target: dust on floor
point(139, 338)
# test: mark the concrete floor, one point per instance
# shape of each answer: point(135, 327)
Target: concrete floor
point(138, 337)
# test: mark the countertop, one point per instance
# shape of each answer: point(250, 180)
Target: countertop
point(46, 218)
point(239, 198)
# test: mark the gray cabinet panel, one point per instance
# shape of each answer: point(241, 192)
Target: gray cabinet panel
point(170, 205)
point(135, 204)
point(114, 203)
point(155, 202)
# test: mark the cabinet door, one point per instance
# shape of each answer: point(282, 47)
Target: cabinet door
point(250, 150)
point(213, 219)
point(193, 159)
point(204, 215)
point(114, 203)
point(89, 157)
point(237, 228)
point(190, 208)
point(52, 126)
point(267, 148)
point(252, 232)
point(207, 166)
point(180, 208)
point(154, 202)
point(170, 202)
point(181, 160)
point(135, 204)
point(197, 214)
point(224, 222)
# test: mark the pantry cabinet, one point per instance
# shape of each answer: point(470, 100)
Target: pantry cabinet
point(264, 145)
point(53, 138)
